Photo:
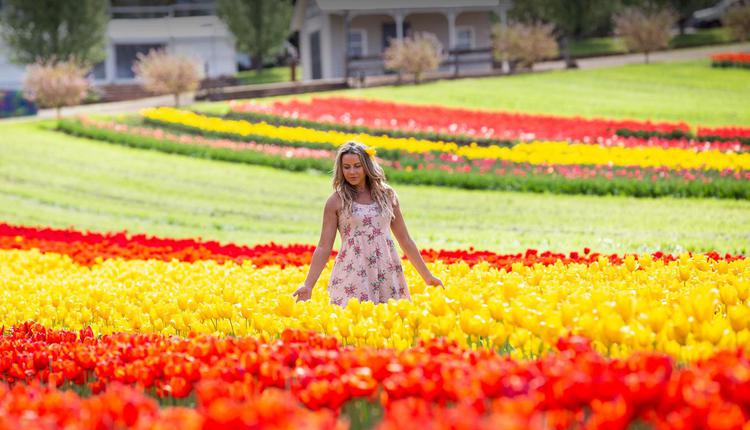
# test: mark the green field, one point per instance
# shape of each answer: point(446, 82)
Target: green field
point(47, 178)
point(692, 92)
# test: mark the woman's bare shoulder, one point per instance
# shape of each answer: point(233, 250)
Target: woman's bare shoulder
point(334, 201)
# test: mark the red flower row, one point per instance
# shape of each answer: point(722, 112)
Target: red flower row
point(573, 387)
point(491, 124)
point(88, 248)
point(732, 57)
point(32, 407)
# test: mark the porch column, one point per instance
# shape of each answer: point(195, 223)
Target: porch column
point(347, 21)
point(502, 13)
point(451, 15)
point(399, 18)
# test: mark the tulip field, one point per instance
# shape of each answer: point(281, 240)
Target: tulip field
point(148, 260)
point(203, 334)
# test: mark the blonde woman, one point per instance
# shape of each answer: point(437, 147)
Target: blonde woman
point(364, 209)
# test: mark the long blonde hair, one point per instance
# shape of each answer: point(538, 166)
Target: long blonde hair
point(375, 179)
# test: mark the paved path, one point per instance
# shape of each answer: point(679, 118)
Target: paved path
point(686, 54)
point(587, 63)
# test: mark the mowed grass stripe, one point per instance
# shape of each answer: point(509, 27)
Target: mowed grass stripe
point(53, 179)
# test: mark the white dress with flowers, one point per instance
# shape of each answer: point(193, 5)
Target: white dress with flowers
point(368, 266)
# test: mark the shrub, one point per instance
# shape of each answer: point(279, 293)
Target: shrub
point(524, 44)
point(737, 20)
point(164, 73)
point(54, 84)
point(416, 54)
point(645, 30)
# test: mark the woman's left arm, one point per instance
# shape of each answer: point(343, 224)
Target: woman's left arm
point(398, 226)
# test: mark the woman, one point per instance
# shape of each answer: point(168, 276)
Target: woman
point(364, 209)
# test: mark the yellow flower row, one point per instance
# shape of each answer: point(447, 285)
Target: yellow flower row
point(537, 152)
point(687, 308)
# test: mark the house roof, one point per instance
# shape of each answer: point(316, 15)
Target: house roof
point(333, 5)
point(362, 5)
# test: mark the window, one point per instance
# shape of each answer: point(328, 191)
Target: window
point(125, 56)
point(464, 37)
point(99, 72)
point(357, 43)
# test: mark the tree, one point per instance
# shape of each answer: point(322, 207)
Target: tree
point(54, 84)
point(645, 30)
point(737, 20)
point(524, 44)
point(573, 19)
point(51, 29)
point(164, 73)
point(260, 27)
point(415, 54)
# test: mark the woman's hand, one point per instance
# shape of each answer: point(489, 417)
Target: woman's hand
point(433, 281)
point(303, 293)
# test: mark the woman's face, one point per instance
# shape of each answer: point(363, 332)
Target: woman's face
point(354, 172)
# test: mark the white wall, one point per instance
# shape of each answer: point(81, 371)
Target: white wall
point(480, 21)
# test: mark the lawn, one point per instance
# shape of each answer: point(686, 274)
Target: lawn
point(595, 46)
point(47, 178)
point(690, 91)
point(267, 76)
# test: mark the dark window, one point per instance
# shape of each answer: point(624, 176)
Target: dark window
point(99, 71)
point(317, 71)
point(125, 56)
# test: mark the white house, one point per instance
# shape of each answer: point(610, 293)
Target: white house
point(185, 27)
point(345, 38)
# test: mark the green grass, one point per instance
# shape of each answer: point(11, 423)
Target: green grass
point(595, 46)
point(47, 178)
point(702, 37)
point(267, 76)
point(692, 92)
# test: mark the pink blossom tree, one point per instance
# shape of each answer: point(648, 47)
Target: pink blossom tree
point(163, 73)
point(524, 44)
point(645, 30)
point(416, 54)
point(54, 84)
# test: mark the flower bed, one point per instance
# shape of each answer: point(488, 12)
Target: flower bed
point(441, 169)
point(134, 331)
point(530, 152)
point(250, 382)
point(732, 59)
point(485, 127)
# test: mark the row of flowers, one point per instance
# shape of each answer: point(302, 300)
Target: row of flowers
point(536, 152)
point(443, 162)
point(42, 407)
point(441, 170)
point(486, 126)
point(685, 308)
point(88, 248)
point(249, 383)
point(731, 59)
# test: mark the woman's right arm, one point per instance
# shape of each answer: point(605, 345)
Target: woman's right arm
point(323, 250)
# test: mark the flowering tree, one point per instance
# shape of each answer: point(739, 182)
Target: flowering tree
point(52, 84)
point(524, 44)
point(416, 54)
point(737, 20)
point(164, 73)
point(645, 30)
